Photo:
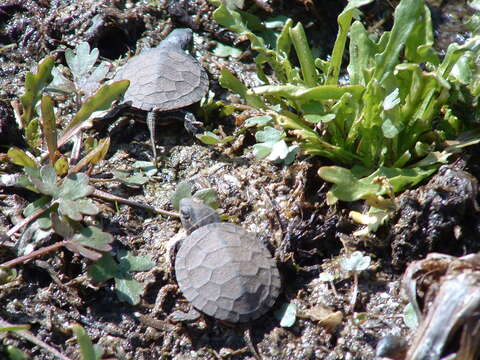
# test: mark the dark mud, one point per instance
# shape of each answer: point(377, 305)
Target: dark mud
point(284, 205)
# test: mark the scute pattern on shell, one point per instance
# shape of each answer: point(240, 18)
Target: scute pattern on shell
point(225, 272)
point(165, 78)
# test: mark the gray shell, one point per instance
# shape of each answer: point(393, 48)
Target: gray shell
point(225, 272)
point(165, 78)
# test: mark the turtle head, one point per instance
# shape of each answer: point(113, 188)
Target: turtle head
point(178, 38)
point(195, 215)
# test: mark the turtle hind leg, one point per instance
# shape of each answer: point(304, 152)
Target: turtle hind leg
point(192, 125)
point(151, 122)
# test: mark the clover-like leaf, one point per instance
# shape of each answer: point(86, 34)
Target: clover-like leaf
point(135, 180)
point(258, 121)
point(280, 151)
point(40, 204)
point(262, 150)
point(183, 190)
point(60, 83)
point(91, 83)
point(129, 262)
point(287, 314)
point(269, 134)
point(81, 60)
point(208, 196)
point(222, 50)
point(45, 181)
point(355, 262)
point(93, 238)
point(75, 209)
point(61, 226)
point(129, 290)
point(103, 269)
point(75, 186)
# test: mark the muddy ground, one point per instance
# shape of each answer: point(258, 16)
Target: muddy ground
point(285, 205)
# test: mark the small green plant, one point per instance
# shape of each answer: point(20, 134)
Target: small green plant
point(287, 314)
point(353, 264)
point(88, 351)
point(62, 206)
point(9, 351)
point(63, 190)
point(386, 123)
point(184, 190)
point(83, 76)
point(128, 289)
point(410, 317)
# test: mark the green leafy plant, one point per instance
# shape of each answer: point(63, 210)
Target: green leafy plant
point(82, 77)
point(61, 207)
point(184, 190)
point(128, 289)
point(353, 264)
point(38, 111)
point(63, 190)
point(88, 351)
point(410, 316)
point(387, 123)
point(287, 314)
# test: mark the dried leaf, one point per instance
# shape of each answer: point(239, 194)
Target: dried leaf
point(20, 158)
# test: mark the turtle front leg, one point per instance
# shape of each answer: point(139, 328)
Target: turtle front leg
point(151, 122)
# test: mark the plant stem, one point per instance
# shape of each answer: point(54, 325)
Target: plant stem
point(304, 55)
point(110, 197)
point(33, 339)
point(353, 300)
point(33, 254)
point(26, 221)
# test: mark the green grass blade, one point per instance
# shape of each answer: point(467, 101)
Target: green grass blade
point(87, 352)
point(49, 124)
point(34, 84)
point(304, 54)
point(344, 20)
point(406, 16)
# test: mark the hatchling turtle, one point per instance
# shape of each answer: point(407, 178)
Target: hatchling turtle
point(165, 78)
point(223, 270)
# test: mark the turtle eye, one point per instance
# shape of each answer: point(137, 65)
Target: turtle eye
point(185, 214)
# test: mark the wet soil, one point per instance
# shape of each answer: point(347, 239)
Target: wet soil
point(284, 205)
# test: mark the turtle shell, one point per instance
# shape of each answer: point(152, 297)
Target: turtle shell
point(165, 78)
point(225, 272)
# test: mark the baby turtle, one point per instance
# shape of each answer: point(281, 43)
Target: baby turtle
point(165, 78)
point(223, 270)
